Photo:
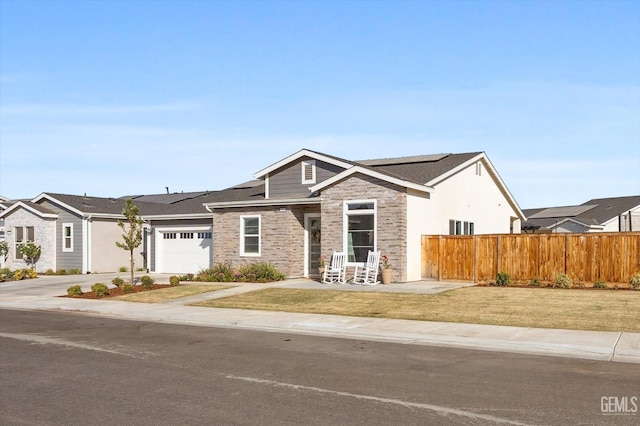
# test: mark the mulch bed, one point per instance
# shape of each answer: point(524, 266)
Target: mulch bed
point(117, 291)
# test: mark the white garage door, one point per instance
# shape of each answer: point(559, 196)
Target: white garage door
point(184, 251)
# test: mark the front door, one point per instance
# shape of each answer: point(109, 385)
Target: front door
point(313, 247)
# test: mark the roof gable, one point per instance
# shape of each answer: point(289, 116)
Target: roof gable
point(373, 173)
point(33, 208)
point(304, 153)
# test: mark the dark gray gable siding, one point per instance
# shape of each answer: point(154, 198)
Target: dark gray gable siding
point(286, 182)
point(73, 259)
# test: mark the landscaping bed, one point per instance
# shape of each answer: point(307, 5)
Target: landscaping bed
point(119, 291)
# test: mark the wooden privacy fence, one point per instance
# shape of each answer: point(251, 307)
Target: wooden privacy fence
point(609, 257)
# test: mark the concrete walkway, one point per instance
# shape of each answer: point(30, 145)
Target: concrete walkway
point(41, 294)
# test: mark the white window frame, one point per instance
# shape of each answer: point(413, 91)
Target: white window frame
point(312, 164)
point(243, 235)
point(345, 224)
point(66, 226)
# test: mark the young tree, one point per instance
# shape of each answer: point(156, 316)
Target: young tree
point(132, 238)
point(4, 250)
point(31, 253)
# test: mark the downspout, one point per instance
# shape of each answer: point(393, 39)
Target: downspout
point(213, 234)
point(86, 245)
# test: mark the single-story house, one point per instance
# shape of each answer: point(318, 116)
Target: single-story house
point(314, 203)
point(296, 210)
point(75, 232)
point(615, 214)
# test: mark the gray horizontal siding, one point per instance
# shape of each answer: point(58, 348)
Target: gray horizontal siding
point(287, 181)
point(72, 259)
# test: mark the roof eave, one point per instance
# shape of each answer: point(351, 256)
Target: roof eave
point(263, 203)
point(358, 169)
point(20, 204)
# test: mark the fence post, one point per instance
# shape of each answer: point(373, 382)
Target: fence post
point(475, 259)
point(498, 243)
point(439, 257)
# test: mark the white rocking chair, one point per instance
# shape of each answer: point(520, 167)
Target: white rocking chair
point(337, 271)
point(368, 274)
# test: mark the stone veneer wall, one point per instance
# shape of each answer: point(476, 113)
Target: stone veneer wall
point(45, 236)
point(391, 218)
point(282, 237)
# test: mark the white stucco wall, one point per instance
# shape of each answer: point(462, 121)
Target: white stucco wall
point(419, 210)
point(469, 197)
point(466, 197)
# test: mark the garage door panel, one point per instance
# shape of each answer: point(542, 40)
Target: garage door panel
point(184, 251)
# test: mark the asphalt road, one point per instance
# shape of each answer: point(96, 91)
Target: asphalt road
point(65, 369)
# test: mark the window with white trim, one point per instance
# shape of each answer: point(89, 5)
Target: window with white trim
point(250, 235)
point(169, 236)
point(458, 227)
point(67, 237)
point(23, 235)
point(359, 229)
point(186, 235)
point(204, 235)
point(309, 172)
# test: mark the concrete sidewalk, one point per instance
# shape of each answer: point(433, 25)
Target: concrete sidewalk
point(40, 294)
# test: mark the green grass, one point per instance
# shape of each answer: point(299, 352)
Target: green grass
point(599, 310)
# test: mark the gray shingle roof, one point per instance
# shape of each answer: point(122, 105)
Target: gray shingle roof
point(421, 169)
point(602, 211)
point(415, 169)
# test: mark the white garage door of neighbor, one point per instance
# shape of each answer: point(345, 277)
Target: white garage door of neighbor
point(184, 251)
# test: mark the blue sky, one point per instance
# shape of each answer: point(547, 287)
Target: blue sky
point(111, 98)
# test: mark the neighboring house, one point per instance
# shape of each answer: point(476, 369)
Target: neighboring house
point(75, 232)
point(616, 214)
point(315, 203)
point(4, 204)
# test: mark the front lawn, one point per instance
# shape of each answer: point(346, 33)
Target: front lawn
point(599, 310)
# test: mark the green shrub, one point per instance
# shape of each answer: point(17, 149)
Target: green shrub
point(74, 271)
point(634, 281)
point(100, 289)
point(127, 288)
point(581, 285)
point(18, 275)
point(258, 272)
point(599, 284)
point(49, 272)
point(174, 280)
point(123, 269)
point(31, 273)
point(503, 279)
point(563, 281)
point(147, 282)
point(5, 274)
point(220, 272)
point(534, 282)
point(117, 281)
point(74, 290)
point(140, 269)
point(61, 272)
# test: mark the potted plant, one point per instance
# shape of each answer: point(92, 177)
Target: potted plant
point(386, 270)
point(321, 266)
